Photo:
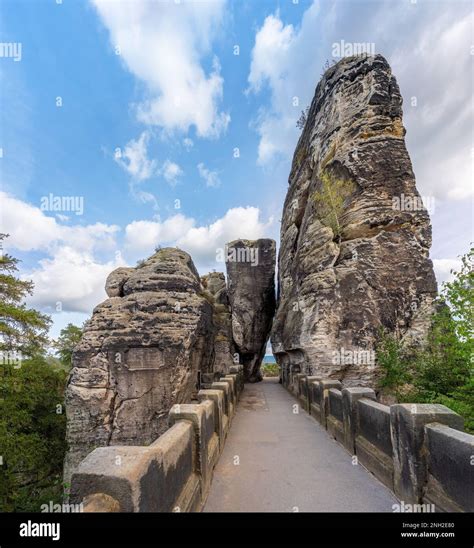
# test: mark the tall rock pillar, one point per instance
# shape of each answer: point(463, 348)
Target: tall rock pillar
point(355, 235)
point(251, 288)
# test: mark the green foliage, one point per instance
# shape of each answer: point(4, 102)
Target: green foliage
point(391, 359)
point(330, 200)
point(67, 341)
point(32, 435)
point(441, 371)
point(22, 329)
point(270, 369)
point(443, 364)
point(459, 294)
point(32, 418)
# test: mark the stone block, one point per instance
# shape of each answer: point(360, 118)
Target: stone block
point(201, 416)
point(450, 482)
point(160, 477)
point(373, 442)
point(324, 387)
point(314, 390)
point(408, 436)
point(350, 397)
point(334, 419)
point(228, 407)
point(217, 398)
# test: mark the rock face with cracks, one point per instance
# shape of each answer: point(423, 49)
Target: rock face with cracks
point(355, 235)
point(251, 286)
point(140, 354)
point(223, 354)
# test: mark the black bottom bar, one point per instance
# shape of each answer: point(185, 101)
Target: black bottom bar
point(343, 529)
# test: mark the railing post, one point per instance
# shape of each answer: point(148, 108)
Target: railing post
point(324, 387)
point(407, 426)
point(350, 410)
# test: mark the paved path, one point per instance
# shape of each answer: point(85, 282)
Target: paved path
point(288, 462)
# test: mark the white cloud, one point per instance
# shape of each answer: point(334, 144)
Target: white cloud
point(31, 230)
point(439, 127)
point(443, 267)
point(211, 178)
point(71, 279)
point(431, 63)
point(238, 222)
point(134, 158)
point(201, 242)
point(283, 57)
point(164, 44)
point(69, 273)
point(171, 172)
point(141, 237)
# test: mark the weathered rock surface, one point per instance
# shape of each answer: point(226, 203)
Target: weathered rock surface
point(338, 288)
point(251, 287)
point(222, 358)
point(140, 354)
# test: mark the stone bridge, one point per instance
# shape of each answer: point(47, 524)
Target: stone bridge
point(306, 445)
point(154, 417)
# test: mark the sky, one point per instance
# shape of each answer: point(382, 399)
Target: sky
point(127, 125)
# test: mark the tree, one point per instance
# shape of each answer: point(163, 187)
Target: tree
point(441, 370)
point(65, 344)
point(330, 200)
point(459, 294)
point(22, 329)
point(301, 122)
point(32, 435)
point(32, 420)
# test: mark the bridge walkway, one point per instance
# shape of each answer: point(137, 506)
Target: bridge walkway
point(281, 461)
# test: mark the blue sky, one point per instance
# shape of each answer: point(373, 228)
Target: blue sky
point(138, 108)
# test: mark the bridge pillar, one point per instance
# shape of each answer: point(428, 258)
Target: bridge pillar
point(324, 387)
point(201, 416)
point(306, 389)
point(350, 410)
point(407, 425)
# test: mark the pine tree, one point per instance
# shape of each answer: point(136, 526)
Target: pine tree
point(68, 339)
point(22, 330)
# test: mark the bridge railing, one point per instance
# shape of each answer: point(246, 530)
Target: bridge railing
point(174, 473)
point(419, 451)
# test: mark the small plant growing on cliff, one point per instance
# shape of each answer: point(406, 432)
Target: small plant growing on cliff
point(330, 200)
point(301, 122)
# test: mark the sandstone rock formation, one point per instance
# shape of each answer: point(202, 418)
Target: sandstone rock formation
point(352, 258)
point(223, 350)
point(251, 287)
point(140, 354)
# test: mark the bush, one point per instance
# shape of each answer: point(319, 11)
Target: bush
point(32, 435)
